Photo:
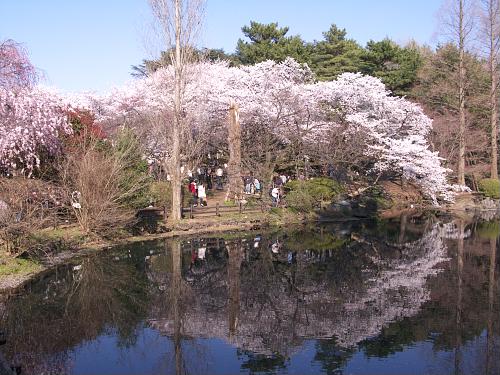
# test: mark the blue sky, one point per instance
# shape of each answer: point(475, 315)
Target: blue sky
point(90, 44)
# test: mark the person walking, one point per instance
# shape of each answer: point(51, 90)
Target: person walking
point(256, 183)
point(219, 173)
point(248, 181)
point(193, 191)
point(202, 196)
point(275, 195)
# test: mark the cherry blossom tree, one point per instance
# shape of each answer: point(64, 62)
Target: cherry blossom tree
point(282, 100)
point(396, 130)
point(16, 69)
point(31, 118)
point(31, 124)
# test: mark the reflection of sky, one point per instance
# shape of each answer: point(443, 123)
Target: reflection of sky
point(369, 322)
point(154, 354)
point(420, 358)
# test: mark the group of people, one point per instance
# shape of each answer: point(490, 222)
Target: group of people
point(252, 185)
point(276, 190)
point(199, 193)
point(203, 179)
point(208, 176)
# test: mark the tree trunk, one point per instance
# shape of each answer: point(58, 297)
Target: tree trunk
point(176, 303)
point(494, 125)
point(235, 184)
point(176, 131)
point(490, 334)
point(458, 314)
point(403, 221)
point(235, 251)
point(461, 96)
point(493, 24)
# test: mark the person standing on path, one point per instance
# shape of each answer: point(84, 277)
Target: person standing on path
point(202, 196)
point(256, 183)
point(219, 173)
point(275, 195)
point(193, 191)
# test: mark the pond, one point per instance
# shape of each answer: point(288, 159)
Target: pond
point(417, 295)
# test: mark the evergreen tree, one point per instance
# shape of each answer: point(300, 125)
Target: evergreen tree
point(269, 42)
point(150, 66)
point(396, 66)
point(335, 55)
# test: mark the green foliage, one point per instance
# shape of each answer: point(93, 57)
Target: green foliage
point(376, 198)
point(18, 266)
point(490, 187)
point(230, 203)
point(310, 240)
point(300, 200)
point(269, 42)
point(489, 229)
point(335, 55)
point(134, 177)
point(437, 79)
point(396, 66)
point(306, 195)
point(160, 194)
point(150, 66)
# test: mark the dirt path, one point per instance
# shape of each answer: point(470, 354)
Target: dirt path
point(217, 197)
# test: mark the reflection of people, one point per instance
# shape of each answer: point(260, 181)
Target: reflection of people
point(201, 253)
point(275, 247)
point(256, 242)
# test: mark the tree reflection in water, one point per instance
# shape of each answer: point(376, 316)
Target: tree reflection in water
point(74, 304)
point(372, 288)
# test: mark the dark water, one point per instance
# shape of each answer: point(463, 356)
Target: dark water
point(409, 296)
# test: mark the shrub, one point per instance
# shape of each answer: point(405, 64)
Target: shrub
point(489, 229)
point(160, 194)
point(490, 187)
point(134, 177)
point(300, 200)
point(26, 206)
point(103, 184)
point(306, 195)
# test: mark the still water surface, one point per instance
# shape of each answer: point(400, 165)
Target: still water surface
point(408, 296)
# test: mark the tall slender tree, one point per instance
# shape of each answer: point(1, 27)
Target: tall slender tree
point(461, 94)
point(234, 188)
point(179, 23)
point(458, 22)
point(491, 35)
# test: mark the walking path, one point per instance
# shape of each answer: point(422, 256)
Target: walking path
point(218, 196)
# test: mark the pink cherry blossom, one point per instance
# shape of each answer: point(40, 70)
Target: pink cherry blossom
point(31, 123)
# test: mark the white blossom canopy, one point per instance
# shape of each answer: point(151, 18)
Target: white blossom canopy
point(281, 96)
